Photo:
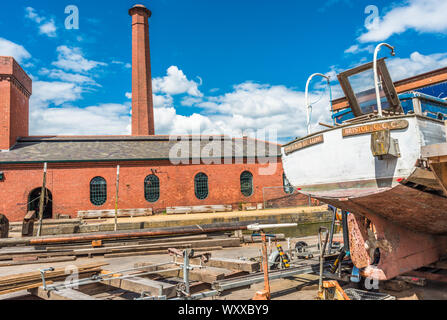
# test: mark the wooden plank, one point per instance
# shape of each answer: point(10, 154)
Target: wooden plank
point(224, 242)
point(95, 214)
point(140, 285)
point(63, 294)
point(153, 252)
point(34, 256)
point(440, 265)
point(428, 276)
point(24, 287)
point(234, 264)
point(38, 261)
point(199, 209)
point(21, 280)
point(208, 275)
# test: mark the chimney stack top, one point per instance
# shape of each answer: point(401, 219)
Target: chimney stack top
point(139, 8)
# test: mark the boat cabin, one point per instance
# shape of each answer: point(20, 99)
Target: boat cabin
point(424, 94)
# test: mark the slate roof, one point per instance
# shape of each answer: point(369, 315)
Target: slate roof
point(130, 148)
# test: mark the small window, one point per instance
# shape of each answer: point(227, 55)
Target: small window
point(98, 191)
point(286, 184)
point(201, 186)
point(247, 183)
point(152, 188)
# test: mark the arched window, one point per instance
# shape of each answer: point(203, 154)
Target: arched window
point(286, 184)
point(201, 186)
point(152, 188)
point(247, 183)
point(98, 191)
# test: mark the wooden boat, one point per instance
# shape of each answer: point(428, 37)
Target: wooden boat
point(372, 166)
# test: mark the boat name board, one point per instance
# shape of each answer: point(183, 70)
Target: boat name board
point(303, 144)
point(370, 128)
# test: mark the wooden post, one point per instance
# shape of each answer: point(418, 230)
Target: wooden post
point(116, 196)
point(42, 199)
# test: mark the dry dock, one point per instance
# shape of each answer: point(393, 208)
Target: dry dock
point(300, 287)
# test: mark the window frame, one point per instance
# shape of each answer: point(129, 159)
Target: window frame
point(94, 194)
point(196, 186)
point(251, 183)
point(146, 187)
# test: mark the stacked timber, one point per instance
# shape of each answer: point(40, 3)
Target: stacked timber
point(122, 213)
point(199, 209)
point(112, 249)
point(30, 280)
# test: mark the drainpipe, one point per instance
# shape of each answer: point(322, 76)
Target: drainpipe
point(306, 96)
point(376, 75)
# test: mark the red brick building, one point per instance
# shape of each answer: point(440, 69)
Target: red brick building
point(155, 171)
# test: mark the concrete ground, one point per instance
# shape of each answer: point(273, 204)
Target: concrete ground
point(302, 287)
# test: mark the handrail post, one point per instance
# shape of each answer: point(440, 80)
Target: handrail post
point(376, 75)
point(306, 96)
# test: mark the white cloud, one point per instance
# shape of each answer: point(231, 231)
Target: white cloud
point(110, 119)
point(417, 63)
point(249, 106)
point(128, 95)
point(125, 65)
point(68, 77)
point(8, 48)
point(175, 82)
point(46, 26)
point(354, 49)
point(54, 93)
point(419, 15)
point(72, 59)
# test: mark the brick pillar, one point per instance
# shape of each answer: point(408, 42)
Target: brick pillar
point(142, 104)
point(15, 91)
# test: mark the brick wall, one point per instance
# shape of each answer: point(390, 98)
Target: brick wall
point(70, 185)
point(15, 88)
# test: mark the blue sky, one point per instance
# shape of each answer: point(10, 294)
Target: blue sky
point(224, 65)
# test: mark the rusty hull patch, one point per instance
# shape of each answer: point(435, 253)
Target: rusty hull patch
point(408, 227)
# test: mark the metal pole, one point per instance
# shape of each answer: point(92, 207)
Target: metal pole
point(289, 248)
point(265, 264)
point(186, 271)
point(42, 199)
point(376, 75)
point(116, 196)
point(331, 235)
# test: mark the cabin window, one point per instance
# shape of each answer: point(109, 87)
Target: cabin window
point(247, 183)
point(98, 191)
point(286, 184)
point(152, 188)
point(201, 186)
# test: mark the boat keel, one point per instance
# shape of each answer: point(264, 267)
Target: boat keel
point(400, 249)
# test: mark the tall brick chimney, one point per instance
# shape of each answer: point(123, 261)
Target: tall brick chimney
point(15, 91)
point(142, 103)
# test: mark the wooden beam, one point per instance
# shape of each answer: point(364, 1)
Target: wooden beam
point(64, 294)
point(208, 275)
point(231, 264)
point(409, 84)
point(235, 264)
point(37, 261)
point(428, 276)
point(140, 285)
